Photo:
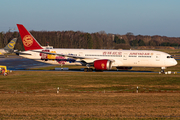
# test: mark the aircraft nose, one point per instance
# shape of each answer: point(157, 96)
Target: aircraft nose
point(175, 62)
point(171, 62)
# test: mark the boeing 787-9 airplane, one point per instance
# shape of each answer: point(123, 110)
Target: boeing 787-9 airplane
point(100, 59)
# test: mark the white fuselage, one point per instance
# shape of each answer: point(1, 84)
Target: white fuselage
point(124, 58)
point(2, 52)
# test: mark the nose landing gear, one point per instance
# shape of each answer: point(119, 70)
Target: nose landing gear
point(162, 70)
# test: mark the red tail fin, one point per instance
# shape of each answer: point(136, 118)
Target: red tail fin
point(28, 40)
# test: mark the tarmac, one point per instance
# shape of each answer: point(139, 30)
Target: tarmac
point(14, 62)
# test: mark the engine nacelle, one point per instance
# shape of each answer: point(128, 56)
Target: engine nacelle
point(103, 64)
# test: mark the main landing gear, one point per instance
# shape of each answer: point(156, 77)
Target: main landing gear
point(88, 69)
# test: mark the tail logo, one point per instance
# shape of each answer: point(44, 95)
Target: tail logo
point(27, 41)
point(11, 45)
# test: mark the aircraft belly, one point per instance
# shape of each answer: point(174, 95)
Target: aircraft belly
point(137, 62)
point(144, 62)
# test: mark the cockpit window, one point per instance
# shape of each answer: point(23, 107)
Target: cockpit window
point(169, 57)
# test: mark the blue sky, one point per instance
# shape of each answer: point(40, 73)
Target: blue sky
point(144, 17)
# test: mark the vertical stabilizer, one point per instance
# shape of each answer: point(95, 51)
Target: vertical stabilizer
point(29, 42)
point(10, 46)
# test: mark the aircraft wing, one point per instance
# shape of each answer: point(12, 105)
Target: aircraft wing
point(65, 55)
point(21, 53)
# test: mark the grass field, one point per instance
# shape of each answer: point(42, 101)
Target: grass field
point(93, 95)
point(90, 106)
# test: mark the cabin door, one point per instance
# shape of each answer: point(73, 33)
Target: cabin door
point(158, 57)
point(125, 56)
point(81, 54)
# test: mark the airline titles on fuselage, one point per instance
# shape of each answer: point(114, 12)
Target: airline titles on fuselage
point(132, 54)
point(144, 55)
point(112, 53)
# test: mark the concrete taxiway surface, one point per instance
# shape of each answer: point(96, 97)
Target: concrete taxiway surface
point(14, 62)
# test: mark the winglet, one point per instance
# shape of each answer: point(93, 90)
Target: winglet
point(10, 46)
point(29, 42)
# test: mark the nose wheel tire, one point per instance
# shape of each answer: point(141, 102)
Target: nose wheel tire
point(162, 71)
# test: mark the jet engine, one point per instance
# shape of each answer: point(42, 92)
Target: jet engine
point(103, 64)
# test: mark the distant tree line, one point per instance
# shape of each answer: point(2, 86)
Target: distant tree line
point(99, 40)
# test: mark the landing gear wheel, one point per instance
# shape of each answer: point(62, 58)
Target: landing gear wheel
point(85, 69)
point(162, 71)
point(88, 69)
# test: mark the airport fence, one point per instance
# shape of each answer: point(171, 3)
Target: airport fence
point(65, 90)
